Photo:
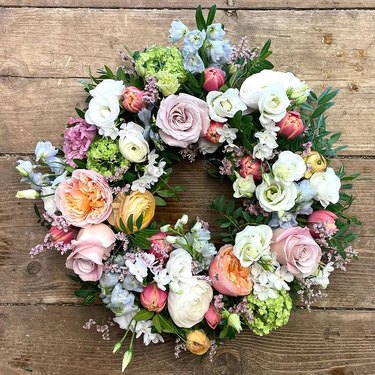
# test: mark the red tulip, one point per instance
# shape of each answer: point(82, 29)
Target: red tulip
point(291, 126)
point(59, 235)
point(213, 79)
point(153, 298)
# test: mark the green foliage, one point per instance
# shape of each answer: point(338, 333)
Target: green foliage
point(245, 126)
point(88, 290)
point(163, 190)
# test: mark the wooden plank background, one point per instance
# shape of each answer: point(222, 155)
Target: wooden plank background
point(46, 47)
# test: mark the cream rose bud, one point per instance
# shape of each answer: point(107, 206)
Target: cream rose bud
point(244, 187)
point(252, 243)
point(273, 103)
point(274, 196)
point(179, 268)
point(190, 304)
point(289, 167)
point(224, 105)
point(132, 144)
point(327, 186)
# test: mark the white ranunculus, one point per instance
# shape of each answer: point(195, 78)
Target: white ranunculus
point(188, 306)
point(103, 112)
point(327, 186)
point(274, 196)
point(132, 144)
point(273, 103)
point(244, 187)
point(289, 167)
point(109, 87)
point(179, 268)
point(224, 105)
point(252, 243)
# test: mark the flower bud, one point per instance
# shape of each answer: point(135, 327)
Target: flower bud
point(291, 126)
point(159, 246)
point(165, 228)
point(213, 79)
point(213, 318)
point(197, 342)
point(126, 359)
point(133, 99)
point(116, 347)
point(153, 298)
point(212, 135)
point(28, 194)
point(234, 322)
point(325, 218)
point(315, 163)
point(251, 166)
point(59, 235)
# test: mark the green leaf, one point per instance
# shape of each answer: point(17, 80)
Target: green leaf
point(166, 193)
point(224, 332)
point(157, 323)
point(143, 314)
point(122, 226)
point(139, 221)
point(160, 201)
point(236, 120)
point(211, 15)
point(81, 164)
point(201, 23)
point(80, 113)
point(320, 109)
point(265, 50)
point(130, 222)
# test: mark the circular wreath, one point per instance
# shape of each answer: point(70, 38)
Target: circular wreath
point(283, 234)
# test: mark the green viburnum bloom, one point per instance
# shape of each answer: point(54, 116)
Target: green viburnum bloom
point(165, 64)
point(269, 314)
point(104, 157)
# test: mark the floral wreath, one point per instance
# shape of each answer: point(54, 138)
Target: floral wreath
point(262, 129)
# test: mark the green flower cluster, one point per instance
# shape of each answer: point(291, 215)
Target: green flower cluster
point(269, 314)
point(104, 157)
point(165, 64)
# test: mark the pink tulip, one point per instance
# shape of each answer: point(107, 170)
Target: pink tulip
point(212, 135)
point(251, 166)
point(133, 99)
point(213, 79)
point(322, 218)
point(59, 235)
point(213, 318)
point(291, 126)
point(159, 246)
point(153, 298)
point(230, 278)
point(92, 245)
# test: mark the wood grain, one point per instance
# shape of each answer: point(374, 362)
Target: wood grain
point(171, 4)
point(47, 112)
point(320, 342)
point(43, 279)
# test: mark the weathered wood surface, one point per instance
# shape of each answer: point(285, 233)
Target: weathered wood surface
point(181, 4)
point(44, 50)
point(49, 110)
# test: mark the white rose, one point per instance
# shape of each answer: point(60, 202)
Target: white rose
point(109, 87)
point(274, 196)
point(103, 111)
point(273, 103)
point(224, 105)
point(179, 268)
point(327, 186)
point(132, 144)
point(244, 187)
point(188, 307)
point(252, 243)
point(289, 167)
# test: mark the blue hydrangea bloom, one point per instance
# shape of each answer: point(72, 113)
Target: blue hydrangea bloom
point(288, 220)
point(218, 51)
point(177, 31)
point(193, 41)
point(45, 151)
point(193, 63)
point(122, 301)
point(215, 32)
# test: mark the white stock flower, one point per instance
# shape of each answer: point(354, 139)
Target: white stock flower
point(132, 144)
point(252, 243)
point(289, 167)
point(322, 275)
point(327, 186)
point(274, 196)
point(179, 268)
point(280, 278)
point(262, 152)
point(109, 87)
point(162, 279)
point(267, 138)
point(188, 306)
point(227, 134)
point(244, 187)
point(224, 105)
point(137, 268)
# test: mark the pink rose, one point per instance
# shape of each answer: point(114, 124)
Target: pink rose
point(213, 79)
point(91, 246)
point(133, 99)
point(84, 199)
point(324, 219)
point(213, 318)
point(291, 126)
point(295, 248)
point(159, 246)
point(182, 119)
point(251, 166)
